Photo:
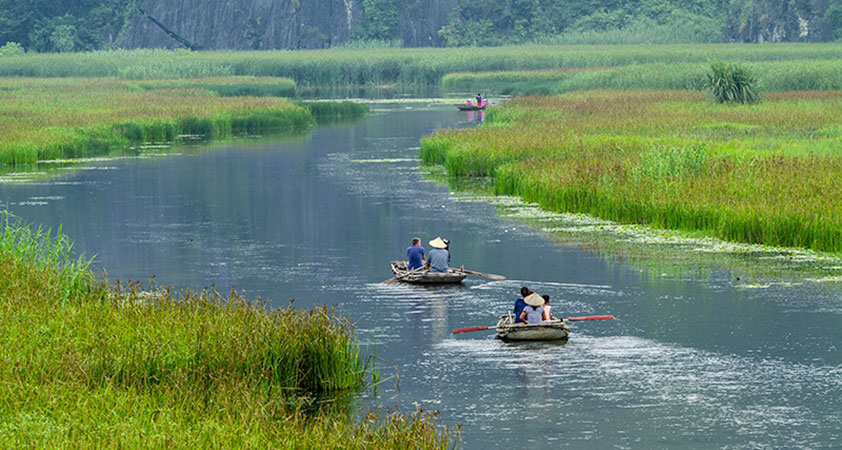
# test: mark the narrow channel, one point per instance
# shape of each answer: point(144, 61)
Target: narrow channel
point(690, 361)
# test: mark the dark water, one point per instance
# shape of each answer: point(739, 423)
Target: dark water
point(692, 362)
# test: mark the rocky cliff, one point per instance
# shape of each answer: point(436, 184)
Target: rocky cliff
point(244, 24)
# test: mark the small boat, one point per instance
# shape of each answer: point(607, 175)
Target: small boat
point(422, 276)
point(470, 107)
point(553, 330)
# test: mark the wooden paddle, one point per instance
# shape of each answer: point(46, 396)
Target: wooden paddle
point(571, 319)
point(486, 275)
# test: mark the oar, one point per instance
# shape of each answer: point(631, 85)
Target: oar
point(465, 330)
point(573, 319)
point(486, 275)
point(569, 319)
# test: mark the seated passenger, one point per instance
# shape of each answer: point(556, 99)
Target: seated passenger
point(533, 312)
point(519, 303)
point(438, 257)
point(415, 254)
point(547, 314)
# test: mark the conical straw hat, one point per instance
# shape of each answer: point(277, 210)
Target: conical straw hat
point(438, 243)
point(534, 299)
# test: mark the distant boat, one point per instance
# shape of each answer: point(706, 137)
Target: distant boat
point(422, 276)
point(470, 107)
point(554, 330)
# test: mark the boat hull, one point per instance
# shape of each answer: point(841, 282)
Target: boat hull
point(555, 330)
point(470, 107)
point(453, 276)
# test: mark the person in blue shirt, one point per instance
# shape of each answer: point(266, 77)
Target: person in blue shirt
point(439, 257)
point(520, 304)
point(415, 254)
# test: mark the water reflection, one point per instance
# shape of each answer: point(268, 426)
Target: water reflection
point(476, 116)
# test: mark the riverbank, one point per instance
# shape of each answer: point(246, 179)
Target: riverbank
point(773, 76)
point(410, 67)
point(64, 118)
point(92, 364)
point(668, 159)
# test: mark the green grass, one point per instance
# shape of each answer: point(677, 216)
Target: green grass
point(765, 173)
point(63, 118)
point(389, 66)
point(773, 76)
point(87, 364)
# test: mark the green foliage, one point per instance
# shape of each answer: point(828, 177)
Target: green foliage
point(11, 49)
point(833, 15)
point(90, 365)
point(45, 119)
point(731, 82)
point(765, 173)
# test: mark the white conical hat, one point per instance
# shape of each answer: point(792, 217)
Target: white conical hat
point(438, 243)
point(534, 299)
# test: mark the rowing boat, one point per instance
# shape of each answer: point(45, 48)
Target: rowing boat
point(422, 276)
point(553, 330)
point(470, 107)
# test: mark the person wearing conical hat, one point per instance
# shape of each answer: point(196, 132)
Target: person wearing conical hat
point(439, 257)
point(533, 312)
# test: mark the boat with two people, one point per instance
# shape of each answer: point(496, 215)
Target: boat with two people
point(470, 105)
point(509, 328)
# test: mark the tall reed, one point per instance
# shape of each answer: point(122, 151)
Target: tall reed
point(116, 365)
point(387, 66)
point(43, 119)
point(762, 173)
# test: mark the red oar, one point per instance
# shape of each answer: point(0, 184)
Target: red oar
point(465, 330)
point(572, 319)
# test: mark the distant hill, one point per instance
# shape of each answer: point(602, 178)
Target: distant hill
point(78, 25)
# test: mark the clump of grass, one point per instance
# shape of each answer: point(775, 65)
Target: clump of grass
point(325, 112)
point(763, 173)
point(116, 365)
point(731, 83)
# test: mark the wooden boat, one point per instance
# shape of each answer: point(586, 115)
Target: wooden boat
point(470, 107)
point(554, 330)
point(421, 276)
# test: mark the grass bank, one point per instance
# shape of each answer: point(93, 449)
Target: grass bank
point(87, 364)
point(764, 173)
point(63, 118)
point(773, 76)
point(388, 66)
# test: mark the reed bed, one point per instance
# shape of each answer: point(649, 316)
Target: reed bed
point(44, 119)
point(773, 76)
point(387, 66)
point(765, 173)
point(117, 366)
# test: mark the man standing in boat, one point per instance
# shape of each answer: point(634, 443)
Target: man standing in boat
point(415, 254)
point(439, 257)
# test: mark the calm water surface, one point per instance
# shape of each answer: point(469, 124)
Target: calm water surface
point(689, 362)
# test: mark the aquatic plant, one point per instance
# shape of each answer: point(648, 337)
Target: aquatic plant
point(730, 82)
point(121, 365)
point(667, 159)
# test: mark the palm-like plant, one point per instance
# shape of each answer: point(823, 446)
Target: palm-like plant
point(731, 82)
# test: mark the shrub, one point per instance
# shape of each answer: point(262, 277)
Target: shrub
point(11, 49)
point(731, 82)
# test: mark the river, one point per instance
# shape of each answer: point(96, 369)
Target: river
point(690, 361)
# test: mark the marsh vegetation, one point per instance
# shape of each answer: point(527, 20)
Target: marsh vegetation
point(762, 173)
point(87, 363)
